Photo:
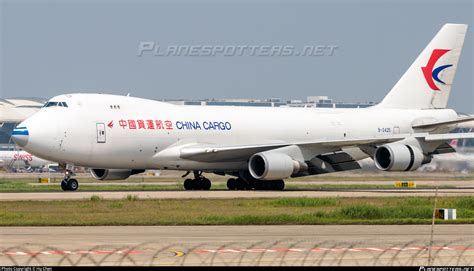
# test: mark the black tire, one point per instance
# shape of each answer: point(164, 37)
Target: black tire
point(205, 184)
point(232, 184)
point(258, 185)
point(198, 184)
point(188, 184)
point(279, 185)
point(240, 184)
point(64, 186)
point(72, 184)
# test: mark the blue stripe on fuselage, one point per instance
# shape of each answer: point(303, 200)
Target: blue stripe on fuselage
point(20, 132)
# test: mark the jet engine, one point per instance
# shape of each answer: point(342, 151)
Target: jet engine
point(113, 174)
point(398, 157)
point(272, 166)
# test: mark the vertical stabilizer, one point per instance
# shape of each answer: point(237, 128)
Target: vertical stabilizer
point(427, 83)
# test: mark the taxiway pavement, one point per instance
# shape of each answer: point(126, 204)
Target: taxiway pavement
point(238, 245)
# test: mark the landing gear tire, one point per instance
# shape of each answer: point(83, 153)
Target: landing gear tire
point(258, 184)
point(72, 184)
point(232, 184)
point(241, 184)
point(197, 184)
point(64, 186)
point(205, 184)
point(188, 184)
point(276, 185)
point(68, 183)
point(279, 185)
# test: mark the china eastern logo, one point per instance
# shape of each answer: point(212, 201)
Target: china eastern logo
point(430, 72)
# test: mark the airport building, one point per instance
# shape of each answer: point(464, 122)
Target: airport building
point(311, 101)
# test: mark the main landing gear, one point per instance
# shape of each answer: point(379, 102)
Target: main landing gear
point(69, 183)
point(198, 183)
point(242, 184)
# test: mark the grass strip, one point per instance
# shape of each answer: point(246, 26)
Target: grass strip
point(134, 211)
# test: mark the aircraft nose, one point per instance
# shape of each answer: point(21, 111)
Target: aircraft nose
point(20, 135)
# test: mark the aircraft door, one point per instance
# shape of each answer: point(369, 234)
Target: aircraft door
point(100, 132)
point(396, 130)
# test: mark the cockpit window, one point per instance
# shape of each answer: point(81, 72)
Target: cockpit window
point(51, 104)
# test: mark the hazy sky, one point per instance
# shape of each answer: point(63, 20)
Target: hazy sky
point(55, 47)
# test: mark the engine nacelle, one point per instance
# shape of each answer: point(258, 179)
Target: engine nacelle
point(272, 166)
point(113, 174)
point(398, 157)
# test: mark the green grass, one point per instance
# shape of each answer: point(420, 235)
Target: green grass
point(305, 202)
point(132, 197)
point(466, 202)
point(134, 211)
point(96, 198)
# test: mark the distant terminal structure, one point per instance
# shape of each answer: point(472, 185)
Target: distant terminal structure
point(311, 101)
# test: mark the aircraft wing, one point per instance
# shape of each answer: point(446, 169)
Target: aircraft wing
point(210, 153)
point(219, 153)
point(442, 123)
point(442, 137)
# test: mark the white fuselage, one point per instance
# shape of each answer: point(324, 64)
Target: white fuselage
point(73, 134)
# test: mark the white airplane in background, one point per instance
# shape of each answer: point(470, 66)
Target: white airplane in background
point(119, 136)
point(20, 159)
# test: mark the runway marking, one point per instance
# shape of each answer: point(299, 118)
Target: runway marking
point(68, 252)
point(178, 253)
point(238, 250)
point(322, 249)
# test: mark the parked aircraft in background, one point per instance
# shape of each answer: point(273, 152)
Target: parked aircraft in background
point(119, 136)
point(14, 160)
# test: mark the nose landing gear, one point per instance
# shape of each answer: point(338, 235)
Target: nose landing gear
point(68, 183)
point(198, 183)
